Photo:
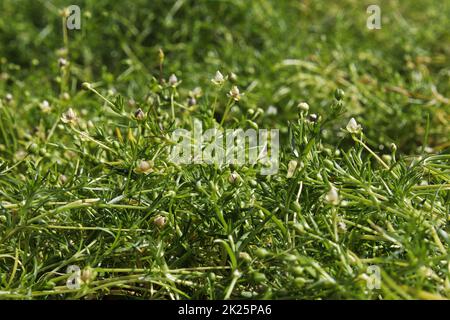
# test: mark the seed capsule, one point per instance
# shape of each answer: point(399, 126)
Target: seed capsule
point(303, 106)
point(339, 94)
point(173, 80)
point(139, 114)
point(234, 93)
point(160, 221)
point(353, 126)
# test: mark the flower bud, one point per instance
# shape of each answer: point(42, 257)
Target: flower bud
point(160, 221)
point(339, 94)
point(353, 126)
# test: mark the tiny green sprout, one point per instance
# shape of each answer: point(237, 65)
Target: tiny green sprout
point(234, 93)
point(353, 126)
point(218, 78)
point(160, 221)
point(332, 197)
point(339, 94)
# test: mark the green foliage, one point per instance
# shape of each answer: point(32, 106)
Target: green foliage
point(85, 176)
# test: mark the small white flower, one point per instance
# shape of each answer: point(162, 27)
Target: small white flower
point(173, 80)
point(291, 168)
point(234, 93)
point(62, 62)
point(45, 106)
point(63, 179)
point(218, 78)
point(271, 110)
point(69, 116)
point(353, 126)
point(332, 197)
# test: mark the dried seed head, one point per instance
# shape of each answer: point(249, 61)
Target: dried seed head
point(139, 114)
point(69, 116)
point(303, 106)
point(332, 197)
point(144, 167)
point(218, 78)
point(234, 93)
point(353, 126)
point(173, 80)
point(160, 221)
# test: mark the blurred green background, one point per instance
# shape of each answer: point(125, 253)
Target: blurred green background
point(282, 51)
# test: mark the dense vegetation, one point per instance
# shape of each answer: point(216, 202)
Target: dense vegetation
point(85, 131)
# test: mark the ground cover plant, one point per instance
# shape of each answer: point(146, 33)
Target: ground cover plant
point(91, 207)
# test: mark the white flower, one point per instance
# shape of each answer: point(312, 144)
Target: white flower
point(173, 80)
point(353, 126)
point(218, 78)
point(332, 197)
point(234, 93)
point(272, 110)
point(69, 116)
point(45, 106)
